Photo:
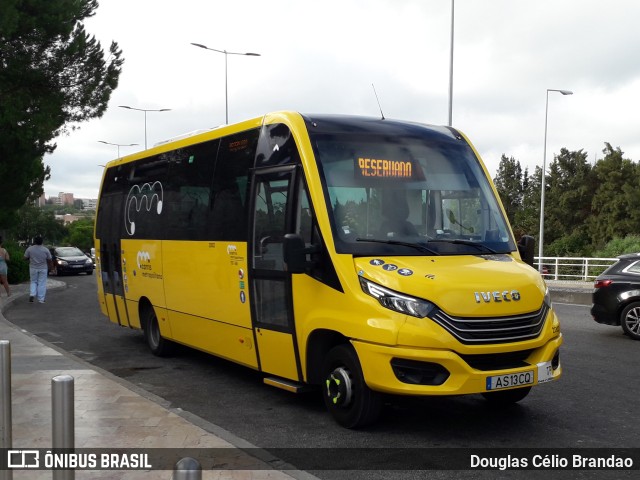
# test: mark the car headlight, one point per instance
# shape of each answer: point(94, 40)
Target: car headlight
point(415, 307)
point(88, 261)
point(61, 262)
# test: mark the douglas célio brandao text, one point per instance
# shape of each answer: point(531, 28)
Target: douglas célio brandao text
point(551, 461)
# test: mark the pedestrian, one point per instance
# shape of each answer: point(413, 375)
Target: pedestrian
point(39, 265)
point(4, 269)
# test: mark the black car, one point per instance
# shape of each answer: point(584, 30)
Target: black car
point(616, 298)
point(70, 260)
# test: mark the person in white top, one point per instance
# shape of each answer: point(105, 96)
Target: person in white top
point(39, 265)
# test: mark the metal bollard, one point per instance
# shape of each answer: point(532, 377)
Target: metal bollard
point(63, 427)
point(187, 469)
point(5, 403)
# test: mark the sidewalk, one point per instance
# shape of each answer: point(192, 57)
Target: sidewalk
point(109, 412)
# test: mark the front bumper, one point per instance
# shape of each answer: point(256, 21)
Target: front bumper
point(376, 361)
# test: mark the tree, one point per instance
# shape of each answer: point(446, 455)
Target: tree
point(35, 221)
point(53, 75)
point(613, 209)
point(81, 234)
point(508, 182)
point(570, 188)
point(527, 219)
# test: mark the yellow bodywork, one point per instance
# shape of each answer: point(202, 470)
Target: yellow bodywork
point(200, 291)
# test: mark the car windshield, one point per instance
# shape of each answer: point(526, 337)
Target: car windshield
point(419, 193)
point(68, 252)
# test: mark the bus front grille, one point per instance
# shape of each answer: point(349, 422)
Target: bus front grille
point(479, 330)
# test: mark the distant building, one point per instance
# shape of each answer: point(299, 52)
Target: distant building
point(67, 218)
point(89, 203)
point(64, 198)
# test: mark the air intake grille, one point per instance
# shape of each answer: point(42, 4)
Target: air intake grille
point(477, 330)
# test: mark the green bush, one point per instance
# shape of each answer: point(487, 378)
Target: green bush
point(18, 265)
point(619, 246)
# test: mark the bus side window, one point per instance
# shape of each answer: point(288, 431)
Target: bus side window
point(304, 222)
point(230, 183)
point(189, 191)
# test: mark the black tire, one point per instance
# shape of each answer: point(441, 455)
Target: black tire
point(159, 346)
point(346, 395)
point(59, 272)
point(630, 320)
point(506, 397)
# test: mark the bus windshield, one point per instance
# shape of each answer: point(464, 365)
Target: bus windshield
point(409, 195)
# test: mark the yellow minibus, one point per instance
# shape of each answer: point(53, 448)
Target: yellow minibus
point(362, 256)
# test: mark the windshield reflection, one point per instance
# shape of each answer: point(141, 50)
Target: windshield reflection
point(409, 195)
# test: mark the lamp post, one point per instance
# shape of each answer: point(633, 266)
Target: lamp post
point(145, 110)
point(118, 145)
point(226, 77)
point(543, 180)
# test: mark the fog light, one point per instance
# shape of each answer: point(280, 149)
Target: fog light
point(419, 373)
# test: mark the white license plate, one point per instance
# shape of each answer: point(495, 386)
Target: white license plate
point(510, 380)
point(76, 266)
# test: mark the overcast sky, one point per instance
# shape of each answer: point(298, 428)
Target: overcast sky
point(324, 56)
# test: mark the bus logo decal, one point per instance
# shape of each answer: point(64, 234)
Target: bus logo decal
point(142, 196)
point(144, 260)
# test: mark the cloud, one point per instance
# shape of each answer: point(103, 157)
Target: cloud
point(323, 57)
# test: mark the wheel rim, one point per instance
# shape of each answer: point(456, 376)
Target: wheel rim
point(633, 320)
point(339, 387)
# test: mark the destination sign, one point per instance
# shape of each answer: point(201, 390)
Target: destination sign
point(374, 167)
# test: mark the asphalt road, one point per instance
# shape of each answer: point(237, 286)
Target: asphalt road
point(594, 405)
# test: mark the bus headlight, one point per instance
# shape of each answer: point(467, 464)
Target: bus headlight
point(547, 298)
point(415, 307)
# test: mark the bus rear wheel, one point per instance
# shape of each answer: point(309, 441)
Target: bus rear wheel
point(346, 395)
point(506, 397)
point(158, 345)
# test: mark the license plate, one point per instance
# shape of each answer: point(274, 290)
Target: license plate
point(510, 380)
point(76, 266)
point(545, 372)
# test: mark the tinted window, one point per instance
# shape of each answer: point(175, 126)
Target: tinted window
point(633, 268)
point(229, 215)
point(276, 147)
point(188, 190)
point(109, 215)
point(144, 208)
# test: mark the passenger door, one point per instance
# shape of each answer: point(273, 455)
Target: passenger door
point(273, 195)
point(111, 274)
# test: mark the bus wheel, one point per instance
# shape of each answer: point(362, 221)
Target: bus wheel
point(346, 395)
point(506, 397)
point(158, 345)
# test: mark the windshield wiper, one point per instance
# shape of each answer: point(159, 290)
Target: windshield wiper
point(457, 241)
point(417, 246)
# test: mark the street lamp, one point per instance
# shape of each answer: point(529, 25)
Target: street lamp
point(226, 77)
point(543, 180)
point(145, 110)
point(117, 145)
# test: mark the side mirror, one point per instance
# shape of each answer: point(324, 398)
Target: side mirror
point(295, 253)
point(526, 247)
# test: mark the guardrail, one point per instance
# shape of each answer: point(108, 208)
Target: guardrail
point(575, 269)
